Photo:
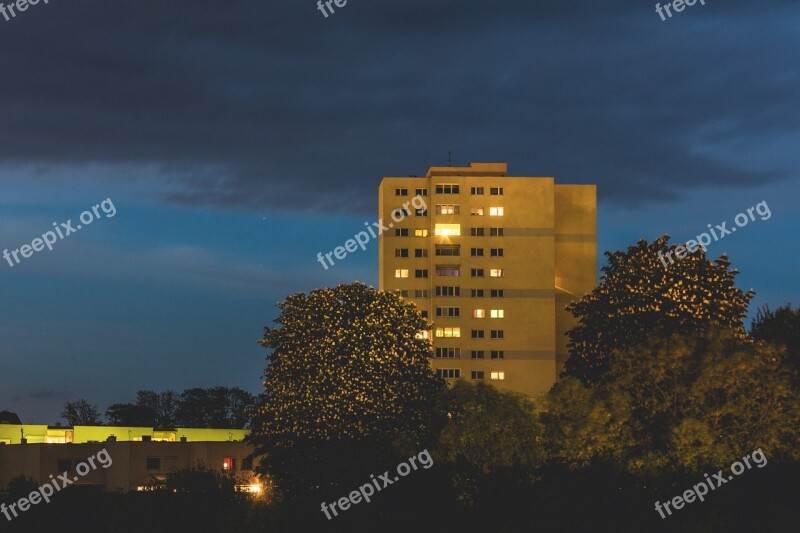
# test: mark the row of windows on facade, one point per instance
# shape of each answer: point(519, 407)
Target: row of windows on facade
point(476, 313)
point(450, 272)
point(154, 463)
point(445, 290)
point(455, 373)
point(455, 332)
point(455, 353)
point(450, 250)
point(449, 230)
point(449, 188)
point(446, 209)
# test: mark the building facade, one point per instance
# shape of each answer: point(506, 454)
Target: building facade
point(492, 262)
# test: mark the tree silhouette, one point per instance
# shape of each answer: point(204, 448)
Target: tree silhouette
point(81, 413)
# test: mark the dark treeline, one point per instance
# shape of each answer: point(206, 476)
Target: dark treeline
point(215, 407)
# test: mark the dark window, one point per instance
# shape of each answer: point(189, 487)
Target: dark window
point(448, 249)
point(477, 354)
point(401, 252)
point(476, 252)
point(477, 232)
point(498, 354)
point(477, 272)
point(496, 191)
point(401, 232)
point(476, 190)
point(497, 252)
point(247, 463)
point(420, 273)
point(421, 294)
point(443, 290)
point(447, 188)
point(154, 463)
point(420, 252)
point(421, 192)
point(424, 314)
point(477, 374)
point(422, 212)
point(401, 192)
point(452, 373)
point(448, 353)
point(495, 232)
point(448, 271)
point(497, 334)
point(477, 293)
point(498, 293)
point(448, 311)
point(477, 334)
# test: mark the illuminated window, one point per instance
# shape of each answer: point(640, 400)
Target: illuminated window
point(447, 188)
point(447, 230)
point(420, 233)
point(495, 211)
point(448, 332)
point(496, 272)
point(229, 463)
point(477, 374)
point(478, 313)
point(448, 373)
point(448, 271)
point(477, 211)
point(447, 209)
point(497, 313)
point(423, 335)
point(499, 375)
point(401, 192)
point(401, 273)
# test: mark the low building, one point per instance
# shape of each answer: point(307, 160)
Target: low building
point(140, 458)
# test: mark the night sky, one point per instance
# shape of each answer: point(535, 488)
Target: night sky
point(236, 139)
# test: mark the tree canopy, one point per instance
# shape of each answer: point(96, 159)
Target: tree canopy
point(81, 413)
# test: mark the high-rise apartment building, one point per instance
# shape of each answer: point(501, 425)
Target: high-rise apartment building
point(492, 262)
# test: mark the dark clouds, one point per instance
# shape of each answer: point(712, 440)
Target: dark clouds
point(252, 104)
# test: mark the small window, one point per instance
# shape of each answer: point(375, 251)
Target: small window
point(496, 191)
point(421, 192)
point(247, 463)
point(447, 230)
point(420, 252)
point(479, 313)
point(419, 233)
point(496, 273)
point(497, 252)
point(477, 232)
point(477, 374)
point(401, 232)
point(422, 293)
point(477, 293)
point(498, 354)
point(499, 375)
point(401, 273)
point(422, 335)
point(424, 314)
point(448, 333)
point(478, 334)
point(477, 272)
point(477, 354)
point(497, 313)
point(448, 311)
point(229, 464)
point(495, 232)
point(421, 212)
point(401, 191)
point(420, 273)
point(476, 252)
point(448, 271)
point(476, 211)
point(498, 334)
point(496, 211)
point(447, 188)
point(403, 294)
point(448, 373)
point(401, 213)
point(401, 252)
point(154, 463)
point(497, 293)
point(476, 190)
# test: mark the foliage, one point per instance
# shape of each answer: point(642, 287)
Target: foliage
point(347, 372)
point(781, 327)
point(638, 294)
point(199, 478)
point(81, 413)
point(128, 414)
